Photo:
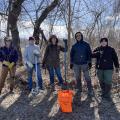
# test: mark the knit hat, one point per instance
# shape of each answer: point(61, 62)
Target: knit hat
point(103, 39)
point(31, 38)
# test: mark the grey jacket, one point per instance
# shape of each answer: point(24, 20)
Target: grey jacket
point(29, 54)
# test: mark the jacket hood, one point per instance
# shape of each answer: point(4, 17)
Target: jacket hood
point(81, 36)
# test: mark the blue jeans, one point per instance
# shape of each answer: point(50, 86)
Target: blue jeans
point(30, 73)
point(52, 71)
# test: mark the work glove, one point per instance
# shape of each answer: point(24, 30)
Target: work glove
point(36, 52)
point(89, 65)
point(65, 42)
point(11, 65)
point(71, 66)
point(43, 66)
point(29, 64)
point(6, 63)
point(117, 70)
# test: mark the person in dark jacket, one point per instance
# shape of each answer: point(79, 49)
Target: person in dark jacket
point(8, 57)
point(80, 58)
point(51, 60)
point(106, 59)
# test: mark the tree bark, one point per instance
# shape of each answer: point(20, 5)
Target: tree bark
point(69, 33)
point(12, 22)
point(48, 9)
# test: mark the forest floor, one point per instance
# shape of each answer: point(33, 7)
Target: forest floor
point(20, 106)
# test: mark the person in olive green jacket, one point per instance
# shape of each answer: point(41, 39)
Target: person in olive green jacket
point(51, 59)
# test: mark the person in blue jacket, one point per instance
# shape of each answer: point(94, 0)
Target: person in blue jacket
point(8, 58)
point(80, 58)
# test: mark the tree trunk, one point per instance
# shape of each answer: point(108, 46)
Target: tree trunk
point(12, 22)
point(48, 9)
point(9, 9)
point(69, 33)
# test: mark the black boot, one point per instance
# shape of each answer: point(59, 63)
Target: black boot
point(77, 98)
point(79, 85)
point(12, 84)
point(102, 86)
point(90, 89)
point(107, 95)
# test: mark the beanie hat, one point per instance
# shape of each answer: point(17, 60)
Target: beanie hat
point(31, 38)
point(103, 39)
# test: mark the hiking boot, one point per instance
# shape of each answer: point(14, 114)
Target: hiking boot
point(78, 103)
point(11, 89)
point(107, 93)
point(61, 85)
point(107, 98)
point(78, 95)
point(27, 90)
point(11, 92)
point(77, 98)
point(51, 87)
point(41, 88)
point(91, 93)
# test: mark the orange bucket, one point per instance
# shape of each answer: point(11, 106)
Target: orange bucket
point(65, 100)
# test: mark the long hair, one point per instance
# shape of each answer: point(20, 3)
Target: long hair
point(51, 37)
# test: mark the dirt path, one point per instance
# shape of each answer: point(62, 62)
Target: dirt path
point(20, 106)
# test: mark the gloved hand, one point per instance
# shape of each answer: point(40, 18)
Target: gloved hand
point(71, 66)
point(117, 70)
point(68, 81)
point(65, 41)
point(89, 65)
point(43, 66)
point(11, 65)
point(36, 52)
point(29, 64)
point(66, 46)
point(6, 63)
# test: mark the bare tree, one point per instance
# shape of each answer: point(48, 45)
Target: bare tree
point(42, 17)
point(12, 23)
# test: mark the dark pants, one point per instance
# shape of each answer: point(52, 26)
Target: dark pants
point(105, 80)
point(77, 71)
point(52, 71)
